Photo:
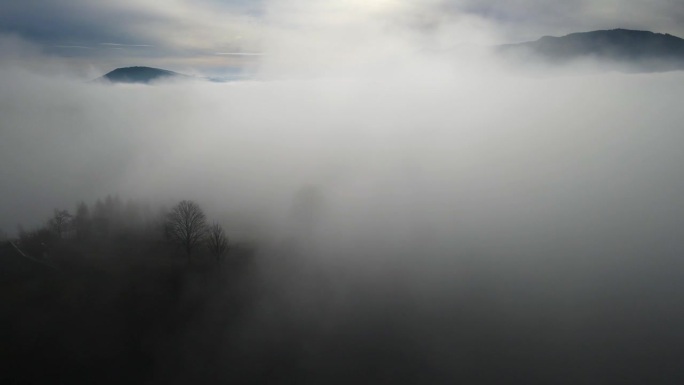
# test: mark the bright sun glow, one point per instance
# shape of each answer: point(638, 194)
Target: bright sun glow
point(374, 5)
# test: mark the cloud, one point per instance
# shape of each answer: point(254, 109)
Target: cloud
point(184, 34)
point(126, 45)
point(179, 31)
point(238, 53)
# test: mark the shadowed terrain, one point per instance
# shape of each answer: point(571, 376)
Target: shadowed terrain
point(632, 51)
point(139, 75)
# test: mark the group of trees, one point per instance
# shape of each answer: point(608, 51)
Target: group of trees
point(104, 286)
point(104, 220)
point(185, 225)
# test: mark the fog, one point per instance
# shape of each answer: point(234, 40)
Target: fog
point(467, 212)
point(438, 153)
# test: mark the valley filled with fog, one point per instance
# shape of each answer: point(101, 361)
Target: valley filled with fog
point(419, 216)
point(457, 158)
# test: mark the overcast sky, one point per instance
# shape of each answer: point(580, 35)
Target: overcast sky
point(221, 36)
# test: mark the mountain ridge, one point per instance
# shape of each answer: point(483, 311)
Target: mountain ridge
point(620, 49)
point(635, 50)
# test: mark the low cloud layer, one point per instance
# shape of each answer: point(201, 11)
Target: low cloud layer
point(450, 154)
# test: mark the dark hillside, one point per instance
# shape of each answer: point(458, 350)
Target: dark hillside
point(640, 51)
point(124, 304)
point(139, 75)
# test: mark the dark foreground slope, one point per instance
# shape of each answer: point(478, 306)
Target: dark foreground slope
point(112, 302)
point(637, 51)
point(121, 312)
point(139, 315)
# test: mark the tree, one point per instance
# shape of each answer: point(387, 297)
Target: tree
point(60, 222)
point(217, 242)
point(186, 225)
point(82, 221)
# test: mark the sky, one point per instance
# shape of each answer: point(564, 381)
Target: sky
point(224, 37)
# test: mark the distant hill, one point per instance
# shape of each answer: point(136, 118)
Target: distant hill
point(139, 75)
point(634, 51)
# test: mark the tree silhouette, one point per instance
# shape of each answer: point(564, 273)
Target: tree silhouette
point(186, 225)
point(81, 220)
point(60, 222)
point(217, 242)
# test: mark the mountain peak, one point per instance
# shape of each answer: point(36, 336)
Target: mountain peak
point(139, 74)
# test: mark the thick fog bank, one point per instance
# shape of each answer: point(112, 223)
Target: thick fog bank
point(409, 221)
point(424, 156)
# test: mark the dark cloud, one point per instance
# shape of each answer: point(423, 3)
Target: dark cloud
point(84, 23)
point(74, 22)
point(178, 35)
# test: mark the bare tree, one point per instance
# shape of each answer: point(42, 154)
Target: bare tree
point(60, 222)
point(186, 225)
point(217, 242)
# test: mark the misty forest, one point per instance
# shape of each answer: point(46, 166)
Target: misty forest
point(341, 192)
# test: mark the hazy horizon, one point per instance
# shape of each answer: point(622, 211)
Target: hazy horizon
point(229, 37)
